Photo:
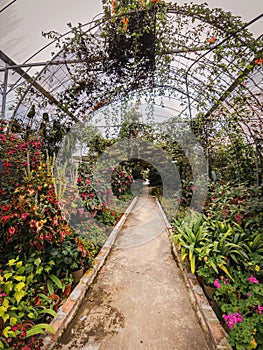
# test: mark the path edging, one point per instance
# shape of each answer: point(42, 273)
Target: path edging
point(68, 310)
point(216, 334)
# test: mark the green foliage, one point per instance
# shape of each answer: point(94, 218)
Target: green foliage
point(16, 288)
point(191, 235)
point(228, 255)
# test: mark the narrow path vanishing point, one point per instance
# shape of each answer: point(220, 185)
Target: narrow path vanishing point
point(139, 299)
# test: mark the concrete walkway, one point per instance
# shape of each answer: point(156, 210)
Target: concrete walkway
point(139, 299)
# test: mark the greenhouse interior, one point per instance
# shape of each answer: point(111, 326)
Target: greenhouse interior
point(131, 177)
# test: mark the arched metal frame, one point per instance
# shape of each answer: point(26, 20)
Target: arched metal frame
point(187, 78)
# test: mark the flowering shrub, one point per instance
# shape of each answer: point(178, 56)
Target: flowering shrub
point(240, 203)
point(29, 214)
point(241, 301)
point(31, 218)
point(16, 155)
point(232, 319)
point(98, 194)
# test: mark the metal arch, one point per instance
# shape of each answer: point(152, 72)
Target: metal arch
point(47, 64)
point(216, 46)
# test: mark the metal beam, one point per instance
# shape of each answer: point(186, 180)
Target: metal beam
point(36, 85)
point(3, 107)
point(231, 88)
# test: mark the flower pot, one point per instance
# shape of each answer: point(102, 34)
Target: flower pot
point(38, 317)
point(209, 291)
point(28, 324)
point(56, 300)
point(77, 275)
point(67, 290)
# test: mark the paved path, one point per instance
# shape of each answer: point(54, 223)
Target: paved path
point(139, 300)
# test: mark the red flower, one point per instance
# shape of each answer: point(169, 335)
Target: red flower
point(5, 218)
point(259, 61)
point(24, 216)
point(91, 195)
point(238, 218)
point(2, 137)
point(6, 207)
point(11, 231)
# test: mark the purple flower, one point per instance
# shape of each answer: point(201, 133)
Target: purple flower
point(253, 279)
point(217, 283)
point(232, 319)
point(260, 309)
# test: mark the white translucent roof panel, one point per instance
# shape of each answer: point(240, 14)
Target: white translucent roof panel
point(22, 23)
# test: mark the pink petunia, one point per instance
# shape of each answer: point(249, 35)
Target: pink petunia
point(253, 279)
point(217, 283)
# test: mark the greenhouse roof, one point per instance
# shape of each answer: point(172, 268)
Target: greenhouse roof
point(26, 52)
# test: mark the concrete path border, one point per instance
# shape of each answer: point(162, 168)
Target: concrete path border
point(207, 317)
point(67, 311)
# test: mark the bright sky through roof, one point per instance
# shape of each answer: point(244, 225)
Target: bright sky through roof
point(22, 22)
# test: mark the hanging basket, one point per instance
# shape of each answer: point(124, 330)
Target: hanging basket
point(133, 45)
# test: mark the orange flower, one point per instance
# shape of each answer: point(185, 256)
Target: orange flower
point(259, 61)
point(155, 1)
point(211, 40)
point(125, 22)
point(113, 6)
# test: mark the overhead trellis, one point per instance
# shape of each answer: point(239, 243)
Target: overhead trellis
point(204, 59)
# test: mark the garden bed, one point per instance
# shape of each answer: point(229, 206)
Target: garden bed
point(68, 310)
point(222, 249)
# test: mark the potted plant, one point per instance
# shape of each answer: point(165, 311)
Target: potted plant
point(67, 257)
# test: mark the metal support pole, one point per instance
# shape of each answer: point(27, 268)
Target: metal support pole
point(3, 107)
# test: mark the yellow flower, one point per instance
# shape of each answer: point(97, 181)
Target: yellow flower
point(253, 344)
point(257, 268)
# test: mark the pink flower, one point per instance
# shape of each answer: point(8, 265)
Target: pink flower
point(238, 218)
point(24, 216)
point(217, 283)
point(232, 319)
point(88, 182)
point(55, 221)
point(260, 309)
point(253, 279)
